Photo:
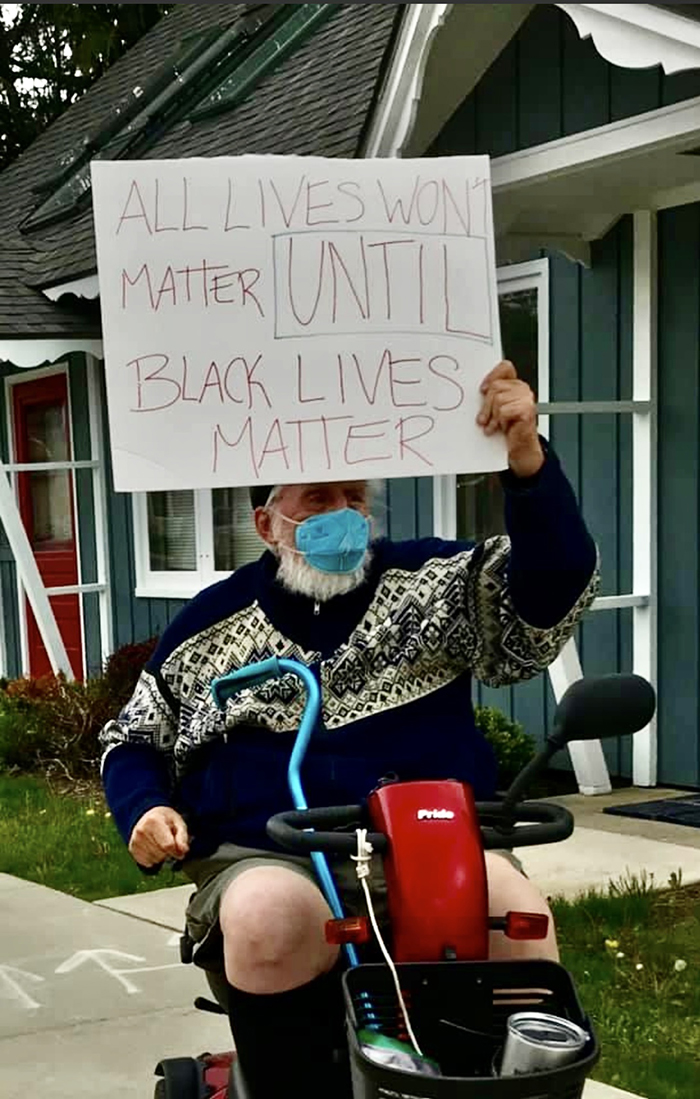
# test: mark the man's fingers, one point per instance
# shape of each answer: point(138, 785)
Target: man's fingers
point(159, 833)
point(514, 409)
point(504, 369)
point(505, 413)
point(181, 837)
point(144, 852)
point(500, 390)
point(486, 410)
point(169, 834)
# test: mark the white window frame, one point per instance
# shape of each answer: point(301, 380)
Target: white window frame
point(183, 583)
point(533, 275)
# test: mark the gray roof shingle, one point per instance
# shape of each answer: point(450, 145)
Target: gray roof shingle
point(316, 102)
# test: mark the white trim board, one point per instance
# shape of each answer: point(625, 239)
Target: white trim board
point(644, 467)
point(395, 114)
point(674, 127)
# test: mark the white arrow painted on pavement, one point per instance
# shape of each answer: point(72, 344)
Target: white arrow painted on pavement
point(9, 984)
point(99, 958)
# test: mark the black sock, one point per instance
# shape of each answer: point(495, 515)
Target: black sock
point(288, 1042)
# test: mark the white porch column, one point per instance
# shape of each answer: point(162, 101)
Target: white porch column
point(31, 580)
point(645, 754)
point(587, 756)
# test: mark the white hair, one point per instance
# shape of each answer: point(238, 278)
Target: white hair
point(375, 493)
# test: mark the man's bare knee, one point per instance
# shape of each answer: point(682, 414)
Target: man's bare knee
point(273, 922)
point(509, 891)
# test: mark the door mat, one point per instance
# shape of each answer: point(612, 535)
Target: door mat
point(682, 810)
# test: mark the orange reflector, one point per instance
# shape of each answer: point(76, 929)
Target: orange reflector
point(354, 929)
point(526, 925)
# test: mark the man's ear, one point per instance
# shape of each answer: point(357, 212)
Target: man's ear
point(263, 525)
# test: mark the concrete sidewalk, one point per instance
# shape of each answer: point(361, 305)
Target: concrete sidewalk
point(93, 995)
point(605, 848)
point(91, 999)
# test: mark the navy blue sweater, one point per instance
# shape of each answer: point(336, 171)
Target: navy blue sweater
point(395, 659)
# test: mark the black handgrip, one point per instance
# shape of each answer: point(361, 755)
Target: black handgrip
point(291, 830)
point(550, 824)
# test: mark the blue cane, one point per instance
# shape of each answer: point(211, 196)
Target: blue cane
point(252, 676)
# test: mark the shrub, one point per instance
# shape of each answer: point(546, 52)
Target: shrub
point(50, 725)
point(512, 745)
point(123, 668)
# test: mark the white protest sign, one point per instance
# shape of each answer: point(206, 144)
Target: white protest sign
point(295, 319)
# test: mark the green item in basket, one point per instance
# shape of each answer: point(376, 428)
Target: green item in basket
point(391, 1053)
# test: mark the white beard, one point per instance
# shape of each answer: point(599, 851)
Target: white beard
point(298, 576)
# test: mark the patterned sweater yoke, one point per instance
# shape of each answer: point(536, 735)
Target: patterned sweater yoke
point(425, 626)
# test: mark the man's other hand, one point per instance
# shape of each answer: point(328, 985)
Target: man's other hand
point(509, 406)
point(159, 834)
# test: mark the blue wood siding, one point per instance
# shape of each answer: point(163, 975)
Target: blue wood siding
point(679, 495)
point(548, 83)
point(591, 360)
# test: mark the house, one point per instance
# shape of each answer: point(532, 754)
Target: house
point(591, 114)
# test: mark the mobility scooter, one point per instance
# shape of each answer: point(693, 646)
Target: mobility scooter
point(437, 1019)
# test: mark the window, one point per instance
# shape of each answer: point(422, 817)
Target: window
point(291, 24)
point(470, 506)
point(186, 539)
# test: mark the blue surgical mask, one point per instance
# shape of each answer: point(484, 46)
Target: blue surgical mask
point(334, 541)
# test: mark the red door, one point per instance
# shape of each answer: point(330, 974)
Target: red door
point(42, 434)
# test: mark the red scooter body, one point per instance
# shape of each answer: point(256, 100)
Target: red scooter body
point(436, 881)
point(435, 870)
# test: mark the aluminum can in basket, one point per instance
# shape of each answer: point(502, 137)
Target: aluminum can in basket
point(536, 1042)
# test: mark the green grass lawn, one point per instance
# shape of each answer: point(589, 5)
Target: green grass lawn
point(68, 843)
point(626, 951)
point(635, 958)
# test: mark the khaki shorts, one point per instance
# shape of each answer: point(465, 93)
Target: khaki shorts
point(213, 875)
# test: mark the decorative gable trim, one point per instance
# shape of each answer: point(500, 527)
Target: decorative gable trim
point(638, 36)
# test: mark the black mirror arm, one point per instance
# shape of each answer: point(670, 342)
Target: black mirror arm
point(521, 782)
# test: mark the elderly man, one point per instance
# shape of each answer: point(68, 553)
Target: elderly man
point(395, 632)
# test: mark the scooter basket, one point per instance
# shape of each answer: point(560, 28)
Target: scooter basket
point(459, 1013)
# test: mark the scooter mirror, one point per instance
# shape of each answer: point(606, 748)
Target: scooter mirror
point(604, 706)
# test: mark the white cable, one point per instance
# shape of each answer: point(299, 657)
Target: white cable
point(362, 860)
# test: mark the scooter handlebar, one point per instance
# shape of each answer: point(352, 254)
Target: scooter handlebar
point(531, 823)
point(301, 830)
